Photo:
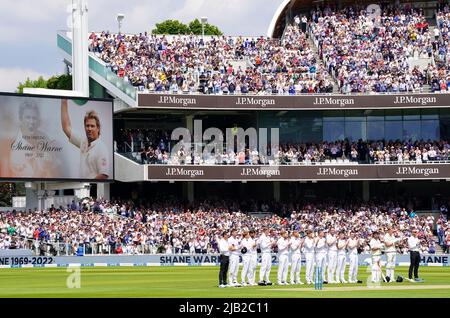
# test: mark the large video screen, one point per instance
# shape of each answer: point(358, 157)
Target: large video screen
point(55, 138)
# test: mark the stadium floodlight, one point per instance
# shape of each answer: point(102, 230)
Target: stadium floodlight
point(203, 20)
point(120, 17)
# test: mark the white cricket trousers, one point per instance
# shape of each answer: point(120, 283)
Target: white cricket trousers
point(309, 267)
point(234, 268)
point(390, 264)
point(340, 269)
point(283, 263)
point(376, 269)
point(252, 268)
point(296, 267)
point(320, 262)
point(332, 262)
point(245, 267)
point(353, 268)
point(266, 265)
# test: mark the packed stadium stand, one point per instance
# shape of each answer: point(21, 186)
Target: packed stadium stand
point(102, 227)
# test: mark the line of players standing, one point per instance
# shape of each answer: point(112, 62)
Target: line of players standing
point(326, 250)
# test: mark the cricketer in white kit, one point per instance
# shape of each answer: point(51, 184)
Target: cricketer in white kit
point(321, 253)
point(375, 248)
point(253, 259)
point(341, 258)
point(308, 250)
point(265, 244)
point(234, 258)
point(353, 244)
point(296, 258)
point(246, 242)
point(283, 258)
point(389, 242)
point(332, 255)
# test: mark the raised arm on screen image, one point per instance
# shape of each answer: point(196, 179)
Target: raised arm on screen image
point(94, 157)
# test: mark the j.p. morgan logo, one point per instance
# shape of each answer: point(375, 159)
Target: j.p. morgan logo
point(341, 102)
point(337, 172)
point(415, 100)
point(177, 100)
point(263, 102)
point(184, 172)
point(267, 172)
point(417, 171)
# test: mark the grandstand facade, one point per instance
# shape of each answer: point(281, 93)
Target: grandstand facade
point(362, 114)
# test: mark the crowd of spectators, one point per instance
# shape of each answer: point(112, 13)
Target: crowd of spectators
point(443, 230)
point(196, 64)
point(153, 147)
point(369, 53)
point(440, 75)
point(359, 50)
point(171, 227)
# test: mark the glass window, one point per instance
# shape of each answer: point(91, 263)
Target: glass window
point(375, 130)
point(430, 130)
point(355, 130)
point(331, 115)
point(393, 130)
point(430, 114)
point(355, 115)
point(445, 129)
point(310, 130)
point(411, 114)
point(411, 130)
point(333, 131)
point(393, 114)
point(444, 112)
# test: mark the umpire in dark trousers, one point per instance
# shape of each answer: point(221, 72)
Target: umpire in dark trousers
point(414, 252)
point(224, 259)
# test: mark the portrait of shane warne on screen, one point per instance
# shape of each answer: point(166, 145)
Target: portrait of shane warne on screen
point(27, 148)
point(95, 161)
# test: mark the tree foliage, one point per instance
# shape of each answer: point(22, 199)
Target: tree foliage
point(39, 83)
point(196, 28)
point(9, 190)
point(176, 27)
point(55, 82)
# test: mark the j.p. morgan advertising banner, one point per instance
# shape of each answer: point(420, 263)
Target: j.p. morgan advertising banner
point(293, 102)
point(55, 138)
point(310, 172)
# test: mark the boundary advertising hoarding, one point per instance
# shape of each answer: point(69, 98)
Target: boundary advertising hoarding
point(177, 260)
point(56, 138)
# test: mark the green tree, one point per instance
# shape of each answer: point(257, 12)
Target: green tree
point(9, 190)
point(60, 82)
point(195, 27)
point(171, 27)
point(177, 27)
point(39, 83)
point(55, 82)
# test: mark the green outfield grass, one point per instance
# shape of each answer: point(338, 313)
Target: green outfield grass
point(199, 282)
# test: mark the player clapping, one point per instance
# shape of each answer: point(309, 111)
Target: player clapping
point(296, 258)
point(283, 245)
point(321, 253)
point(353, 244)
point(308, 246)
point(341, 258)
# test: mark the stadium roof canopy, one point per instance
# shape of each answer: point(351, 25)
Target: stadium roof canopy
point(289, 8)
